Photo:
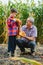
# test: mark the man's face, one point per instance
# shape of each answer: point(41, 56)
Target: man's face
point(28, 23)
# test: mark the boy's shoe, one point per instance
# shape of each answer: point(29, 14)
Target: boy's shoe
point(8, 54)
point(12, 54)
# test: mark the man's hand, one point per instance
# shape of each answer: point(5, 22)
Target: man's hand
point(22, 34)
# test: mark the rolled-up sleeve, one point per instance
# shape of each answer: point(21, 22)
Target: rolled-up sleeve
point(10, 22)
point(22, 28)
point(34, 33)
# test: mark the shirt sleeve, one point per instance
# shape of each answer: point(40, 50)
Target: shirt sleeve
point(34, 33)
point(22, 28)
point(10, 22)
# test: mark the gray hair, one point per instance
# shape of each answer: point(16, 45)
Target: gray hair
point(31, 19)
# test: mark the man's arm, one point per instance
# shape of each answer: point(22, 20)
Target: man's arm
point(33, 35)
point(30, 38)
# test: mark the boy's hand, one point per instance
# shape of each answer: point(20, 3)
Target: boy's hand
point(19, 22)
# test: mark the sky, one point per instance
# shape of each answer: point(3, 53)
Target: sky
point(6, 1)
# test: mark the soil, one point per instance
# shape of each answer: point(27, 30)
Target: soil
point(4, 58)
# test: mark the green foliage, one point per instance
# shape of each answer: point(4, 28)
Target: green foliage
point(1, 31)
point(2, 22)
point(38, 14)
point(24, 11)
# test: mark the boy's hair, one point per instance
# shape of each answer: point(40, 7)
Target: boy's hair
point(13, 10)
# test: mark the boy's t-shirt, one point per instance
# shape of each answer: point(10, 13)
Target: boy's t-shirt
point(12, 26)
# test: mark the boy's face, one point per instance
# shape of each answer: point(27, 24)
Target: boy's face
point(14, 14)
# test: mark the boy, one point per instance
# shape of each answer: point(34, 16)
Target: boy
point(13, 27)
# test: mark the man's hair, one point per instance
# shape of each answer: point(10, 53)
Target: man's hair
point(31, 19)
point(13, 10)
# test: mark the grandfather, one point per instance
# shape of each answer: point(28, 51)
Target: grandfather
point(28, 41)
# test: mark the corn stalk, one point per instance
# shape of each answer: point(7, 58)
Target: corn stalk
point(25, 60)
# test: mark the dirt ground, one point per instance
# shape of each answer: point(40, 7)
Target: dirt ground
point(4, 59)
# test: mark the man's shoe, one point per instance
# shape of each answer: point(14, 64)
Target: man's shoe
point(32, 54)
point(23, 53)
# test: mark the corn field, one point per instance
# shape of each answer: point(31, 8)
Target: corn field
point(24, 11)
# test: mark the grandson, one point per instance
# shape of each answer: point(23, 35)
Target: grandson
point(12, 31)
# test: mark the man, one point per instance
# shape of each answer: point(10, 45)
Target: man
point(28, 40)
point(12, 24)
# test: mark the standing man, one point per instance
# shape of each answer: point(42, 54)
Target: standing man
point(12, 24)
point(28, 40)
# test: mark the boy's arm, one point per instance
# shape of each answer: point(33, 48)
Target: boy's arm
point(10, 22)
point(19, 23)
